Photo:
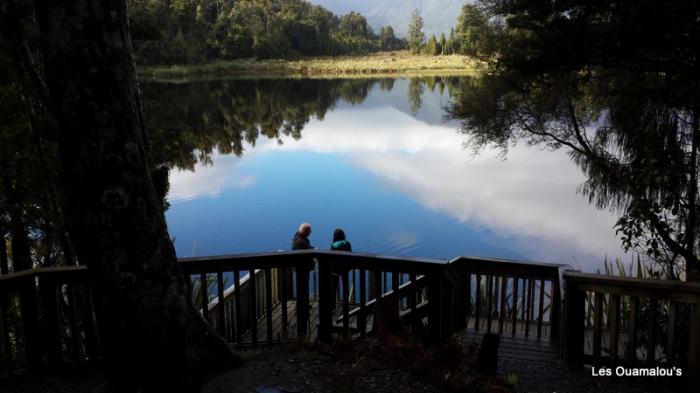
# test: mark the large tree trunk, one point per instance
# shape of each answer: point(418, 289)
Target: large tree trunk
point(153, 337)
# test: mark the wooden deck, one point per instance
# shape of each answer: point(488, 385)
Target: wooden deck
point(517, 347)
point(281, 334)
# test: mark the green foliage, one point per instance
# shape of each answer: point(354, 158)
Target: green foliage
point(167, 32)
point(388, 40)
point(452, 44)
point(431, 47)
point(416, 37)
point(475, 33)
point(354, 25)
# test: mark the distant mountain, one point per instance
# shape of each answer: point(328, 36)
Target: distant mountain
point(439, 15)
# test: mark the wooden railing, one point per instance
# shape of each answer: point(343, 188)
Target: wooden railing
point(235, 303)
point(511, 297)
point(47, 318)
point(416, 290)
point(613, 321)
point(340, 289)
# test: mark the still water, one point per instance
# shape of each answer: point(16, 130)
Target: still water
point(252, 159)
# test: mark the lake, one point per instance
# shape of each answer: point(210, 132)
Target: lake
point(252, 159)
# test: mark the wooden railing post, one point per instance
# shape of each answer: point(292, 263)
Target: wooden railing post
point(30, 323)
point(303, 269)
point(435, 309)
point(284, 285)
point(555, 313)
point(574, 310)
point(52, 334)
point(268, 305)
point(461, 297)
point(221, 306)
point(5, 344)
point(89, 323)
point(326, 300)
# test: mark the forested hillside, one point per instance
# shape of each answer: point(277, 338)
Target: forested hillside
point(195, 31)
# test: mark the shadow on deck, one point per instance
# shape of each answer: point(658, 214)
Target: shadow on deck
point(513, 347)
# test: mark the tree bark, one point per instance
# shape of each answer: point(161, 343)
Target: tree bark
point(4, 262)
point(691, 235)
point(22, 260)
point(152, 336)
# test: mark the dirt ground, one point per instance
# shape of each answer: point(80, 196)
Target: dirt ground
point(403, 365)
point(295, 370)
point(364, 366)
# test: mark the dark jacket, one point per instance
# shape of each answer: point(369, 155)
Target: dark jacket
point(301, 242)
point(341, 245)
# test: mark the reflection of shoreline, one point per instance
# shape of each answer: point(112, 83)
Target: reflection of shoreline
point(420, 74)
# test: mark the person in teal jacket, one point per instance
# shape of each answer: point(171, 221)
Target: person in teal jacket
point(339, 242)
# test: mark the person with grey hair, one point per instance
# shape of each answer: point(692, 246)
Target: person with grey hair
point(301, 238)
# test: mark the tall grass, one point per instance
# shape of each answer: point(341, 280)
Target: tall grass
point(400, 63)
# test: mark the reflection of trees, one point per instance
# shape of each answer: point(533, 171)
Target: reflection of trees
point(188, 121)
point(415, 91)
point(635, 140)
point(617, 86)
point(386, 84)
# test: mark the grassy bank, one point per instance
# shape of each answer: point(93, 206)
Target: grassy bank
point(399, 63)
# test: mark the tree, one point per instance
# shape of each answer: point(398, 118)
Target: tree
point(443, 44)
point(473, 31)
point(354, 25)
point(626, 109)
point(452, 43)
point(431, 47)
point(153, 337)
point(416, 37)
point(387, 38)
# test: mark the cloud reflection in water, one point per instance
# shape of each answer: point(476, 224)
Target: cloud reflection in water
point(529, 199)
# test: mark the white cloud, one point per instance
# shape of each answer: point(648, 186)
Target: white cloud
point(208, 180)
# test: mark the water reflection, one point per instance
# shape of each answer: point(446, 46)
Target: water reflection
point(372, 156)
